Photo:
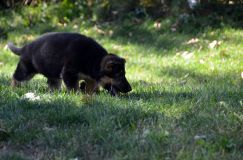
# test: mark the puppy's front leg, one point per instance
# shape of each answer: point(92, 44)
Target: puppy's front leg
point(91, 86)
point(71, 81)
point(112, 90)
point(54, 83)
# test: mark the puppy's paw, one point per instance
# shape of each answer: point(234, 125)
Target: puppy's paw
point(113, 91)
point(82, 86)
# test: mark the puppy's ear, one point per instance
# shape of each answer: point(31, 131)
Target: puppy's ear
point(124, 60)
point(118, 59)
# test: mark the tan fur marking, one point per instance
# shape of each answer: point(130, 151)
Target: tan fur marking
point(91, 85)
point(106, 80)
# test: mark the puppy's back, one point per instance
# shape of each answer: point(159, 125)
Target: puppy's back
point(63, 43)
point(50, 52)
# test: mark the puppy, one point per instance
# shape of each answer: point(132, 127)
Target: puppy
point(71, 57)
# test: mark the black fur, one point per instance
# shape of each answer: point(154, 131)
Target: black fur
point(66, 56)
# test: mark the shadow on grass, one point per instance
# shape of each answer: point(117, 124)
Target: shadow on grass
point(96, 128)
point(102, 126)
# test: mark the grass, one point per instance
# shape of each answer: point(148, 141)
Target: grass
point(186, 103)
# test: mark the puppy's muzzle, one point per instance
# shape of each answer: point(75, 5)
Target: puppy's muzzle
point(123, 86)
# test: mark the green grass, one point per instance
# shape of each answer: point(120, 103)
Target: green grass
point(183, 106)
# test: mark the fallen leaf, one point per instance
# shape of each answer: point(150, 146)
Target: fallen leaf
point(174, 26)
point(199, 137)
point(5, 47)
point(173, 29)
point(193, 41)
point(99, 30)
point(48, 129)
point(75, 26)
point(157, 25)
point(30, 96)
point(187, 55)
point(214, 44)
point(110, 33)
point(222, 104)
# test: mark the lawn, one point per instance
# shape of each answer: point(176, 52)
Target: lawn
point(186, 103)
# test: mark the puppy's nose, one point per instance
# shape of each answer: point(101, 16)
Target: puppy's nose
point(129, 88)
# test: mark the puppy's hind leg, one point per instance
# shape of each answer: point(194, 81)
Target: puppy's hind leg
point(54, 83)
point(22, 73)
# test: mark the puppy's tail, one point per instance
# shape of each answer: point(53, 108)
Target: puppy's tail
point(14, 49)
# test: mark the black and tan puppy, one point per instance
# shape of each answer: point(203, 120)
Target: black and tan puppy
point(71, 57)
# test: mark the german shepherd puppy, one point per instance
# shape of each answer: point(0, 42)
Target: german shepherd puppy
point(71, 57)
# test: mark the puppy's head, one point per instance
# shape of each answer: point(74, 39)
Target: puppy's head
point(113, 76)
